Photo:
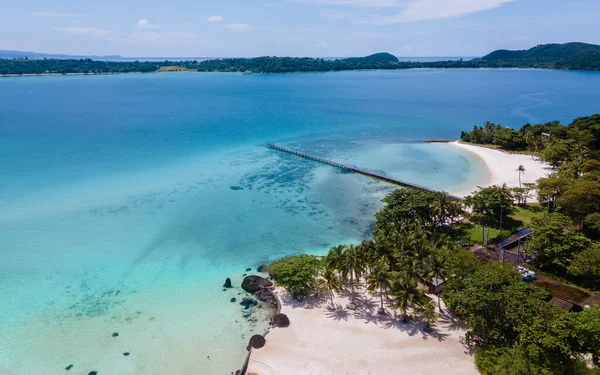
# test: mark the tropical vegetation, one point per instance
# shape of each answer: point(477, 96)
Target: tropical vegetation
point(569, 56)
point(512, 327)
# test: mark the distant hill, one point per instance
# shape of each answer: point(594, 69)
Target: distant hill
point(11, 54)
point(379, 57)
point(569, 56)
point(574, 56)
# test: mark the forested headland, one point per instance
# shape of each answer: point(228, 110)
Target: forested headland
point(569, 56)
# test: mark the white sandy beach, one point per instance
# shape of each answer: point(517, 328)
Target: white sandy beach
point(319, 341)
point(502, 167)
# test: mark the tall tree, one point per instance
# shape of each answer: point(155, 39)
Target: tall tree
point(351, 267)
point(520, 169)
point(379, 278)
point(407, 294)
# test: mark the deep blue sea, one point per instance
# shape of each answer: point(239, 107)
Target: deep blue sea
point(125, 201)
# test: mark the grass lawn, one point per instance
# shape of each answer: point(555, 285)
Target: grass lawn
point(521, 218)
point(525, 214)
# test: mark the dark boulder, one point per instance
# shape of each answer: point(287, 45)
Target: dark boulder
point(281, 320)
point(93, 373)
point(266, 295)
point(248, 302)
point(264, 269)
point(227, 283)
point(115, 334)
point(233, 299)
point(257, 342)
point(248, 269)
point(253, 283)
point(126, 354)
point(69, 367)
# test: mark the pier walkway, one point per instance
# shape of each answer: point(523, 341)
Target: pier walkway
point(348, 168)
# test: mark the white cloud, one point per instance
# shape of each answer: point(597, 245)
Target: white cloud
point(238, 26)
point(419, 10)
point(159, 37)
point(84, 31)
point(54, 14)
point(355, 3)
point(216, 18)
point(143, 24)
point(321, 44)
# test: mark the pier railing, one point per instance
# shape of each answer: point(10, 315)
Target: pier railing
point(348, 168)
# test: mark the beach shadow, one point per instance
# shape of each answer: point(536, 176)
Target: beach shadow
point(338, 313)
point(310, 302)
point(451, 322)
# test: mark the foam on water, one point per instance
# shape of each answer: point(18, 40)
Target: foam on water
point(127, 200)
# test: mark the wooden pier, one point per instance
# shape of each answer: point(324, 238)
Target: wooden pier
point(348, 168)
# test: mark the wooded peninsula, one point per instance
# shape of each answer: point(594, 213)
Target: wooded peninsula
point(568, 56)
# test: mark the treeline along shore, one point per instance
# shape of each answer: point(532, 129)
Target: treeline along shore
point(569, 56)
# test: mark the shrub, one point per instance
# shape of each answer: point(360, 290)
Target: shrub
point(297, 273)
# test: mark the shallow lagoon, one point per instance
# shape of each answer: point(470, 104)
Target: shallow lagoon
point(127, 200)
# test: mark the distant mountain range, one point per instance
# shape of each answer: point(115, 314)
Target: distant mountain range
point(10, 54)
point(569, 56)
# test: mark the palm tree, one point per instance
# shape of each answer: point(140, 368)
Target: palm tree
point(428, 309)
point(407, 295)
point(350, 266)
point(438, 271)
point(530, 140)
point(521, 169)
point(329, 282)
point(439, 208)
point(379, 279)
point(333, 258)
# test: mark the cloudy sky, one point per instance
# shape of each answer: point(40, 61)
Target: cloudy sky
point(293, 27)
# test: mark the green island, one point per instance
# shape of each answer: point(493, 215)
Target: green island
point(420, 246)
point(568, 56)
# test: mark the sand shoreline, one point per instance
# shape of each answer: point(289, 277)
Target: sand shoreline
point(501, 167)
point(321, 341)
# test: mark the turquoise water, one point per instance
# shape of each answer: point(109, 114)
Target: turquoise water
point(125, 201)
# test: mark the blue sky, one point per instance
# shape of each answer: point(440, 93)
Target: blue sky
point(293, 27)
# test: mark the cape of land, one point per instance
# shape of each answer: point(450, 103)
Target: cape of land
point(568, 56)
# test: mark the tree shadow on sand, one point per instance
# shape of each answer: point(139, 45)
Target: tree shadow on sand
point(338, 313)
point(310, 302)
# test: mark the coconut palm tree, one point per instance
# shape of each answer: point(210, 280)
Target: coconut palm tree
point(330, 282)
point(350, 267)
point(530, 140)
point(438, 271)
point(440, 208)
point(333, 258)
point(379, 279)
point(521, 169)
point(407, 295)
point(428, 310)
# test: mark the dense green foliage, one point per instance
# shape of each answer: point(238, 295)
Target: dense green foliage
point(573, 56)
point(87, 66)
point(515, 330)
point(573, 190)
point(512, 327)
point(297, 273)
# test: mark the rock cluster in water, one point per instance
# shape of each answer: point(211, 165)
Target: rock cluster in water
point(253, 283)
point(227, 283)
point(265, 269)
